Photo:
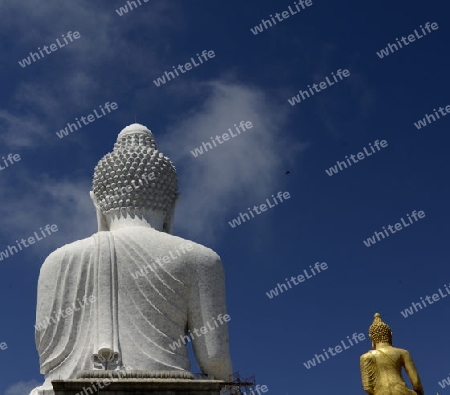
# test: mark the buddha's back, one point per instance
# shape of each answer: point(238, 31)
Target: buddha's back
point(381, 368)
point(385, 365)
point(146, 289)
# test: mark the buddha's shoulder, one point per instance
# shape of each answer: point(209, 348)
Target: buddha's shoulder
point(375, 354)
point(193, 248)
point(78, 247)
point(168, 241)
point(400, 350)
point(195, 251)
point(203, 253)
point(369, 355)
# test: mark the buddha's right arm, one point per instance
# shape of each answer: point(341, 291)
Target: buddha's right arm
point(207, 307)
point(367, 367)
point(412, 372)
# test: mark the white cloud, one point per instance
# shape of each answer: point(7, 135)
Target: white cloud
point(72, 81)
point(21, 388)
point(43, 201)
point(215, 186)
point(59, 87)
point(237, 174)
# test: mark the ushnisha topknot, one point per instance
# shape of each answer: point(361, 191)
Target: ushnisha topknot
point(379, 331)
point(135, 177)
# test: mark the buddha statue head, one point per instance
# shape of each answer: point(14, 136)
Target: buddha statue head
point(135, 184)
point(380, 332)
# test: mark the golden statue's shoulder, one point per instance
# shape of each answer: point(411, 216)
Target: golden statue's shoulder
point(368, 355)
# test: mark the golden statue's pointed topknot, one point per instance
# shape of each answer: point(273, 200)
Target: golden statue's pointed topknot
point(379, 331)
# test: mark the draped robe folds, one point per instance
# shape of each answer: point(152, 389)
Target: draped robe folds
point(124, 321)
point(381, 372)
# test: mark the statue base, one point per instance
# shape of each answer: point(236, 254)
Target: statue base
point(137, 386)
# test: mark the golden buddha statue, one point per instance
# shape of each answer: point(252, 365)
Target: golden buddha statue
point(381, 368)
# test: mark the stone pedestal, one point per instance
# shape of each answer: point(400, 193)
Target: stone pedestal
point(137, 386)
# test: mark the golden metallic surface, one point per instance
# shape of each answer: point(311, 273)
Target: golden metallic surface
point(381, 368)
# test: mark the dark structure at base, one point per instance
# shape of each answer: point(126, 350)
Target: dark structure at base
point(137, 386)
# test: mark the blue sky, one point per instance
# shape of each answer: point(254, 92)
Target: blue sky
point(250, 78)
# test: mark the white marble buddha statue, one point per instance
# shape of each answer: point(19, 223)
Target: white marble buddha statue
point(103, 316)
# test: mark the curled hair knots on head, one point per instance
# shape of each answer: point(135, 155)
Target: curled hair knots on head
point(379, 331)
point(135, 176)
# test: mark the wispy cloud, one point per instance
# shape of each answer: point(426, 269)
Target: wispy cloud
point(42, 201)
point(55, 90)
point(72, 81)
point(240, 172)
point(215, 186)
point(21, 388)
